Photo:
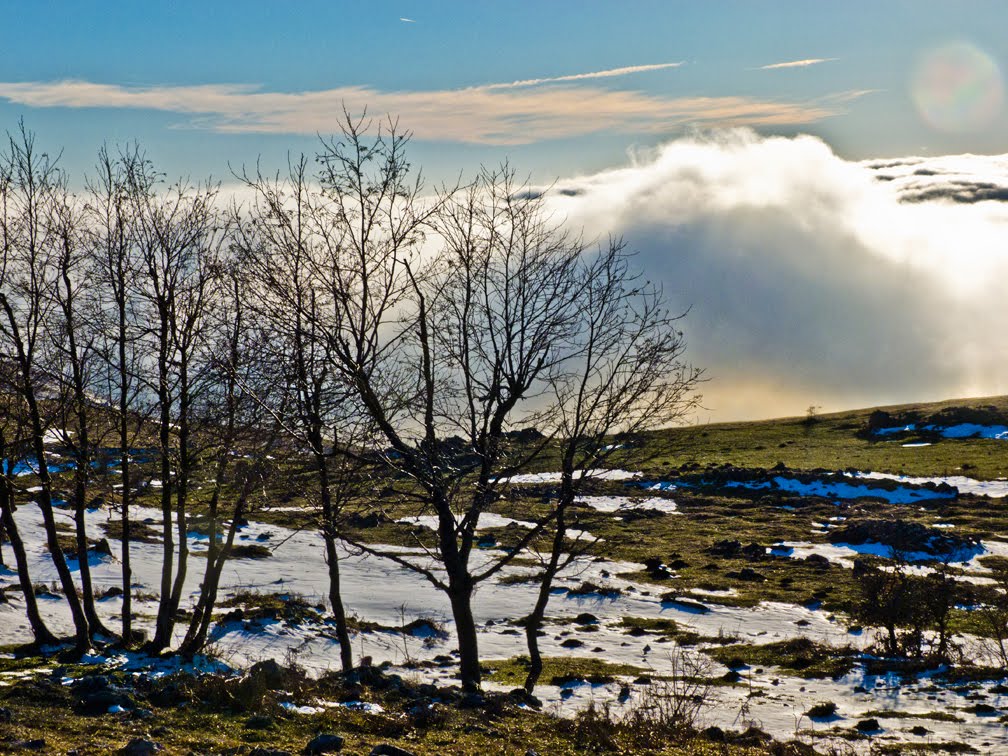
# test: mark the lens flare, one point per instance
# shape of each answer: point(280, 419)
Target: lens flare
point(957, 88)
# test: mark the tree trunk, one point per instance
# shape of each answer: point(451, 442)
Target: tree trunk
point(164, 624)
point(182, 492)
point(535, 618)
point(42, 635)
point(332, 557)
point(460, 595)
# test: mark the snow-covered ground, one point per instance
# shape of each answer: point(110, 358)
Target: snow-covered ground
point(382, 591)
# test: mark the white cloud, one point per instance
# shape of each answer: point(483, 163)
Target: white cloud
point(796, 63)
point(407, 20)
point(608, 73)
point(815, 280)
point(513, 113)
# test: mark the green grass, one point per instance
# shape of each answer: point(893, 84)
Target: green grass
point(804, 657)
point(558, 669)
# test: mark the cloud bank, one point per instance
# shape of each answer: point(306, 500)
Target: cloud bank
point(510, 113)
point(812, 279)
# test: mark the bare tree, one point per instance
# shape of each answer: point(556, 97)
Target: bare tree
point(179, 234)
point(285, 236)
point(624, 375)
point(244, 433)
point(28, 274)
point(73, 366)
point(13, 450)
point(111, 235)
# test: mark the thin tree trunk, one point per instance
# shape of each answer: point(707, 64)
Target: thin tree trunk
point(81, 632)
point(182, 493)
point(332, 557)
point(124, 466)
point(534, 621)
point(165, 618)
point(42, 635)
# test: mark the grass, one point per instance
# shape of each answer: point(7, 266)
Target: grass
point(558, 670)
point(40, 710)
point(804, 657)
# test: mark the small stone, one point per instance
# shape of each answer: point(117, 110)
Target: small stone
point(140, 747)
point(324, 743)
point(259, 722)
point(387, 749)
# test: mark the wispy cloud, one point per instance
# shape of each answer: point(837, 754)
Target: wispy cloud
point(407, 20)
point(797, 63)
point(624, 71)
point(515, 113)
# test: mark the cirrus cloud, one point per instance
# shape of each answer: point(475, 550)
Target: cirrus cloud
point(518, 112)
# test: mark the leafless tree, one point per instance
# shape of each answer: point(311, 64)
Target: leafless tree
point(625, 374)
point(28, 275)
point(235, 414)
point(70, 359)
point(112, 237)
point(179, 234)
point(285, 236)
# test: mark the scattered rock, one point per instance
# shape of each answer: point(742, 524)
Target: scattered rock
point(387, 749)
point(140, 747)
point(725, 548)
point(748, 574)
point(823, 710)
point(818, 561)
point(38, 744)
point(754, 552)
point(715, 735)
point(684, 604)
point(324, 743)
point(259, 722)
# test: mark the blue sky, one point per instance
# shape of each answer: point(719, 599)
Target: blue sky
point(858, 98)
point(727, 142)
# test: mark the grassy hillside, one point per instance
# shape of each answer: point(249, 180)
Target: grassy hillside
point(838, 441)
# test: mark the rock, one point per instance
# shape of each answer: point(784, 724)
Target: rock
point(818, 561)
point(6, 715)
point(715, 734)
point(919, 731)
point(748, 574)
point(324, 743)
point(586, 618)
point(268, 672)
point(38, 744)
point(96, 694)
point(259, 722)
point(269, 752)
point(868, 725)
point(572, 643)
point(102, 547)
point(754, 552)
point(140, 747)
point(725, 548)
point(387, 749)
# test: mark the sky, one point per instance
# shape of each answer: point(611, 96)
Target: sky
point(818, 183)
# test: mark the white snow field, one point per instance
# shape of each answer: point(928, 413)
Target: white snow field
point(382, 591)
